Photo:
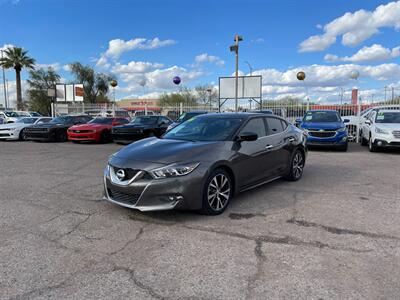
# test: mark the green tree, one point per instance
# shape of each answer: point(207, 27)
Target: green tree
point(96, 85)
point(205, 94)
point(39, 81)
point(185, 96)
point(18, 59)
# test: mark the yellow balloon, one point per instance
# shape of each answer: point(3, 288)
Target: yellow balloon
point(113, 83)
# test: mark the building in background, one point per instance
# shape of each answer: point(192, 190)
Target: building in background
point(139, 105)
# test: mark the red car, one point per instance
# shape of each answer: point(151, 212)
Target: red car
point(97, 130)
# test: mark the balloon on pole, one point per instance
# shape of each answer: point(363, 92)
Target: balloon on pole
point(301, 76)
point(176, 80)
point(113, 83)
point(354, 75)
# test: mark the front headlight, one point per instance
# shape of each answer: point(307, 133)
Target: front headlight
point(342, 129)
point(380, 130)
point(174, 170)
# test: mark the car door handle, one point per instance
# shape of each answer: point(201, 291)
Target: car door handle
point(269, 147)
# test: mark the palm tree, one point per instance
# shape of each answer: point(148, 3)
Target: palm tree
point(17, 58)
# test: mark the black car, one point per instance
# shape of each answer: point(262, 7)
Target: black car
point(186, 116)
point(141, 127)
point(202, 163)
point(55, 130)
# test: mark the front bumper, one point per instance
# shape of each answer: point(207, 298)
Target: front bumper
point(40, 136)
point(128, 137)
point(184, 192)
point(386, 140)
point(339, 139)
point(84, 136)
point(9, 134)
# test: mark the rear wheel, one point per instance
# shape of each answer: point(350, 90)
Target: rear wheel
point(217, 192)
point(105, 137)
point(344, 147)
point(364, 141)
point(296, 166)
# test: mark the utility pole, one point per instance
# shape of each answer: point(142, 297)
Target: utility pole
point(4, 83)
point(235, 48)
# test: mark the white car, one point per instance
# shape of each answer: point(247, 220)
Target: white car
point(16, 130)
point(28, 114)
point(9, 116)
point(381, 129)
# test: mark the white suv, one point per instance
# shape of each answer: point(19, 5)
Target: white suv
point(381, 129)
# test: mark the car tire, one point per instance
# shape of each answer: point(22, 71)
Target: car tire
point(364, 142)
point(217, 192)
point(372, 147)
point(105, 137)
point(296, 166)
point(22, 135)
point(61, 136)
point(344, 147)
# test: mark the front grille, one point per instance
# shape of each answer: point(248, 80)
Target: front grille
point(322, 134)
point(81, 131)
point(130, 130)
point(33, 129)
point(4, 134)
point(396, 134)
point(4, 129)
point(129, 173)
point(121, 197)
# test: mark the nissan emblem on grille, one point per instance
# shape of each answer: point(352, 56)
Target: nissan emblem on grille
point(120, 174)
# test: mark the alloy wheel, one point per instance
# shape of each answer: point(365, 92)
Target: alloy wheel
point(297, 165)
point(218, 192)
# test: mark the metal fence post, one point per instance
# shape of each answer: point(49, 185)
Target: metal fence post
point(358, 122)
point(180, 108)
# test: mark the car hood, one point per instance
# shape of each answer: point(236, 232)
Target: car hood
point(388, 126)
point(164, 151)
point(48, 125)
point(134, 126)
point(322, 125)
point(90, 126)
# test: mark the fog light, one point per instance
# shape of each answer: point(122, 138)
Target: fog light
point(171, 198)
point(344, 138)
point(380, 143)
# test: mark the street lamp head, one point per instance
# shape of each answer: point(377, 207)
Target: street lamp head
point(233, 48)
point(238, 38)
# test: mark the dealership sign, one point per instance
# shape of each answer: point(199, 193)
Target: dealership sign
point(69, 92)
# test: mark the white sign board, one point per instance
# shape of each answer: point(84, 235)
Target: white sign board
point(248, 87)
point(69, 92)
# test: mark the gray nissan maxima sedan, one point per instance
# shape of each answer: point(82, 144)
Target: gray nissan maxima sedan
point(202, 163)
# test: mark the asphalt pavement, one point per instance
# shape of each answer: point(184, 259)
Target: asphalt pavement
point(335, 234)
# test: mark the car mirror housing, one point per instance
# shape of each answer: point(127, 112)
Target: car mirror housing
point(346, 121)
point(247, 137)
point(368, 122)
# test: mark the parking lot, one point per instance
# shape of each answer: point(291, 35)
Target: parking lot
point(333, 234)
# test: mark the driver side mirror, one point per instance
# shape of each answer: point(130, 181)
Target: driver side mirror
point(297, 122)
point(247, 137)
point(368, 122)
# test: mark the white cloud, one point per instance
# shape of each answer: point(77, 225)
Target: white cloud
point(55, 66)
point(5, 46)
point(207, 58)
point(135, 67)
point(117, 47)
point(12, 92)
point(354, 28)
point(374, 53)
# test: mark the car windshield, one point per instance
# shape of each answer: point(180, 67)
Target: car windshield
point(145, 120)
point(388, 117)
point(204, 129)
point(61, 120)
point(35, 114)
point(321, 116)
point(26, 120)
point(186, 116)
point(107, 121)
point(11, 114)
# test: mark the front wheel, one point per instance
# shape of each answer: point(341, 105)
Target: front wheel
point(296, 166)
point(62, 136)
point(22, 135)
point(217, 192)
point(372, 147)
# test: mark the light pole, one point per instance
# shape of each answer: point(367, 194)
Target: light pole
point(4, 82)
point(235, 48)
point(114, 84)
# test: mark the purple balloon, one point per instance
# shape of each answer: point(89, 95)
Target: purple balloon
point(177, 80)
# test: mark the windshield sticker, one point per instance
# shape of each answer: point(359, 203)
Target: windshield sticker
point(380, 116)
point(309, 117)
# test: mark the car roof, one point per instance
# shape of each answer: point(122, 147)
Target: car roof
point(389, 110)
point(322, 110)
point(243, 115)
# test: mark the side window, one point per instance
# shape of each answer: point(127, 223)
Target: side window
point(284, 125)
point(274, 126)
point(123, 121)
point(255, 125)
point(166, 120)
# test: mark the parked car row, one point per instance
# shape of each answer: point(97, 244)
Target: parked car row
point(11, 116)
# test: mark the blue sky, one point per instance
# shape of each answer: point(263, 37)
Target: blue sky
point(155, 40)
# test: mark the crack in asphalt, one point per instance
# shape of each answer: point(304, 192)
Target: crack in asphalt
point(138, 235)
point(259, 269)
point(240, 216)
point(336, 230)
point(138, 283)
